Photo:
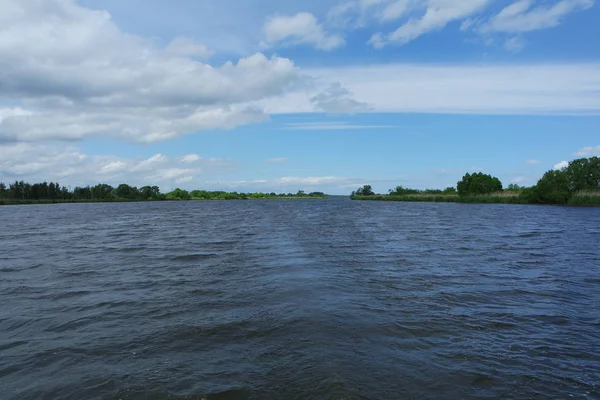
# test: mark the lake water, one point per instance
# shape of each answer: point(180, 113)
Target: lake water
point(316, 299)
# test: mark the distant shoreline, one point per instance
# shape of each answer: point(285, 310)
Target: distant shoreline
point(482, 199)
point(11, 202)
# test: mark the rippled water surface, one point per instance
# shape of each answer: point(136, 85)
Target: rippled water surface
point(314, 299)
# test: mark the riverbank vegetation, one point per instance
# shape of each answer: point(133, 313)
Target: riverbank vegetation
point(576, 184)
point(21, 192)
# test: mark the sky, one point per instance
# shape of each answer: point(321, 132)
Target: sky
point(314, 95)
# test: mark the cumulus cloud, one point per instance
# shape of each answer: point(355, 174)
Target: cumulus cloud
point(69, 165)
point(72, 73)
point(302, 28)
point(588, 151)
point(187, 47)
point(561, 165)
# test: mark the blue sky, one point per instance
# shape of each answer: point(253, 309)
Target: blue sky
point(280, 96)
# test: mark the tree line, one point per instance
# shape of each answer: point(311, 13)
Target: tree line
point(21, 191)
point(577, 183)
point(179, 194)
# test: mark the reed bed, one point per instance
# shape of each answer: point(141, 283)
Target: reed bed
point(585, 197)
point(492, 198)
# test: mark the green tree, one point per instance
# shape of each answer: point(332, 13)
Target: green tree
point(366, 190)
point(102, 191)
point(179, 194)
point(149, 192)
point(82, 193)
point(552, 188)
point(583, 174)
point(402, 191)
point(478, 184)
point(449, 190)
point(127, 192)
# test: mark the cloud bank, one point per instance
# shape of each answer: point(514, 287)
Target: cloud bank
point(74, 74)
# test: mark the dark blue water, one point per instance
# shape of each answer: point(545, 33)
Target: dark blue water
point(299, 300)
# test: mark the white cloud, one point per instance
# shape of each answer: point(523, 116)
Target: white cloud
point(470, 89)
point(532, 162)
point(525, 16)
point(514, 44)
point(294, 183)
point(437, 14)
point(302, 28)
point(277, 160)
point(69, 165)
point(71, 73)
point(561, 165)
point(337, 99)
point(588, 151)
point(13, 112)
point(184, 179)
point(355, 13)
point(377, 40)
point(395, 10)
point(110, 167)
point(190, 158)
point(186, 47)
point(309, 181)
point(419, 17)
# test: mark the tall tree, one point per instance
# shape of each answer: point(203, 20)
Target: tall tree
point(583, 174)
point(478, 184)
point(366, 190)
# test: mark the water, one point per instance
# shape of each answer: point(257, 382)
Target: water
point(299, 300)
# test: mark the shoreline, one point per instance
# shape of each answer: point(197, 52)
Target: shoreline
point(10, 202)
point(515, 200)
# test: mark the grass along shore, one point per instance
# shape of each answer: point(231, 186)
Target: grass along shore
point(582, 198)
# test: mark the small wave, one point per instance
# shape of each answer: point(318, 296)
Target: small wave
point(231, 394)
point(126, 249)
point(68, 295)
point(70, 325)
point(204, 292)
point(195, 257)
point(10, 345)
